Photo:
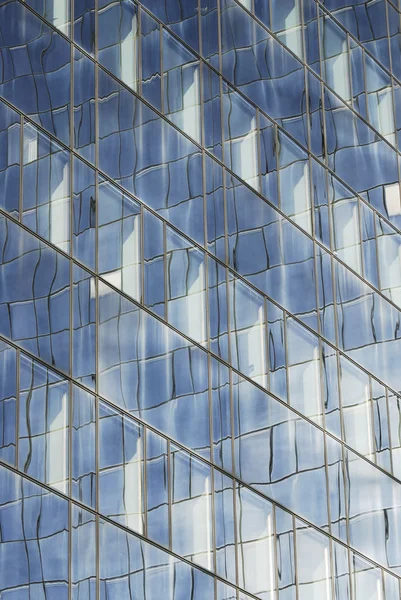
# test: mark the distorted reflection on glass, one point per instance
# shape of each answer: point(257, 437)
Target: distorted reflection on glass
point(44, 424)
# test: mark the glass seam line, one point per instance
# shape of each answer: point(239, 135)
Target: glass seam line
point(393, 5)
point(304, 64)
point(199, 246)
point(246, 282)
point(239, 277)
point(143, 538)
point(358, 42)
point(228, 170)
point(244, 183)
point(181, 334)
point(256, 106)
point(289, 135)
point(148, 311)
point(205, 461)
point(256, 191)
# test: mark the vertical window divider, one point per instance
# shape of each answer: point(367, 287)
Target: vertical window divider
point(169, 494)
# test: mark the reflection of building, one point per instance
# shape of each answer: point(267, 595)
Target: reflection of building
point(200, 299)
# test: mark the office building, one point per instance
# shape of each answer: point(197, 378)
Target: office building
point(200, 299)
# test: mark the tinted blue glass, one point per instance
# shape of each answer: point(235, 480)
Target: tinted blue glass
point(215, 208)
point(36, 69)
point(285, 555)
point(9, 159)
point(166, 176)
point(83, 327)
point(120, 469)
point(225, 526)
point(8, 396)
point(54, 11)
point(151, 371)
point(301, 207)
point(84, 24)
point(35, 295)
point(209, 17)
point(34, 541)
point(118, 38)
point(46, 188)
point(119, 240)
point(43, 425)
point(218, 309)
point(151, 67)
point(157, 488)
point(84, 106)
point(181, 16)
point(263, 428)
point(83, 447)
point(83, 213)
point(262, 69)
point(83, 554)
point(221, 416)
point(154, 263)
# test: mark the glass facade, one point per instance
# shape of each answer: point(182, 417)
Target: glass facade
point(200, 299)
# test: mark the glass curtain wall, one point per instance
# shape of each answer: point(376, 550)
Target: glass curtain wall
point(200, 299)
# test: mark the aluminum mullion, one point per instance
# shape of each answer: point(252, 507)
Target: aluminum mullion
point(169, 494)
point(70, 511)
point(377, 255)
point(97, 488)
point(213, 521)
point(139, 50)
point(275, 583)
point(21, 167)
point(294, 544)
point(389, 434)
point(191, 453)
point(144, 498)
point(264, 199)
point(17, 407)
point(266, 344)
point(250, 102)
point(236, 529)
point(162, 82)
point(259, 151)
point(148, 311)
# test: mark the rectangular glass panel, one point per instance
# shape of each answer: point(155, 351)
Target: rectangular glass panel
point(83, 450)
point(84, 106)
point(9, 159)
point(181, 87)
point(46, 188)
point(117, 39)
point(221, 415)
point(255, 532)
point(121, 494)
point(84, 214)
point(191, 510)
point(313, 563)
point(248, 331)
point(34, 546)
point(83, 555)
point(84, 327)
point(8, 395)
point(119, 240)
point(42, 88)
point(356, 408)
point(304, 371)
point(224, 526)
point(44, 425)
point(186, 286)
point(157, 488)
